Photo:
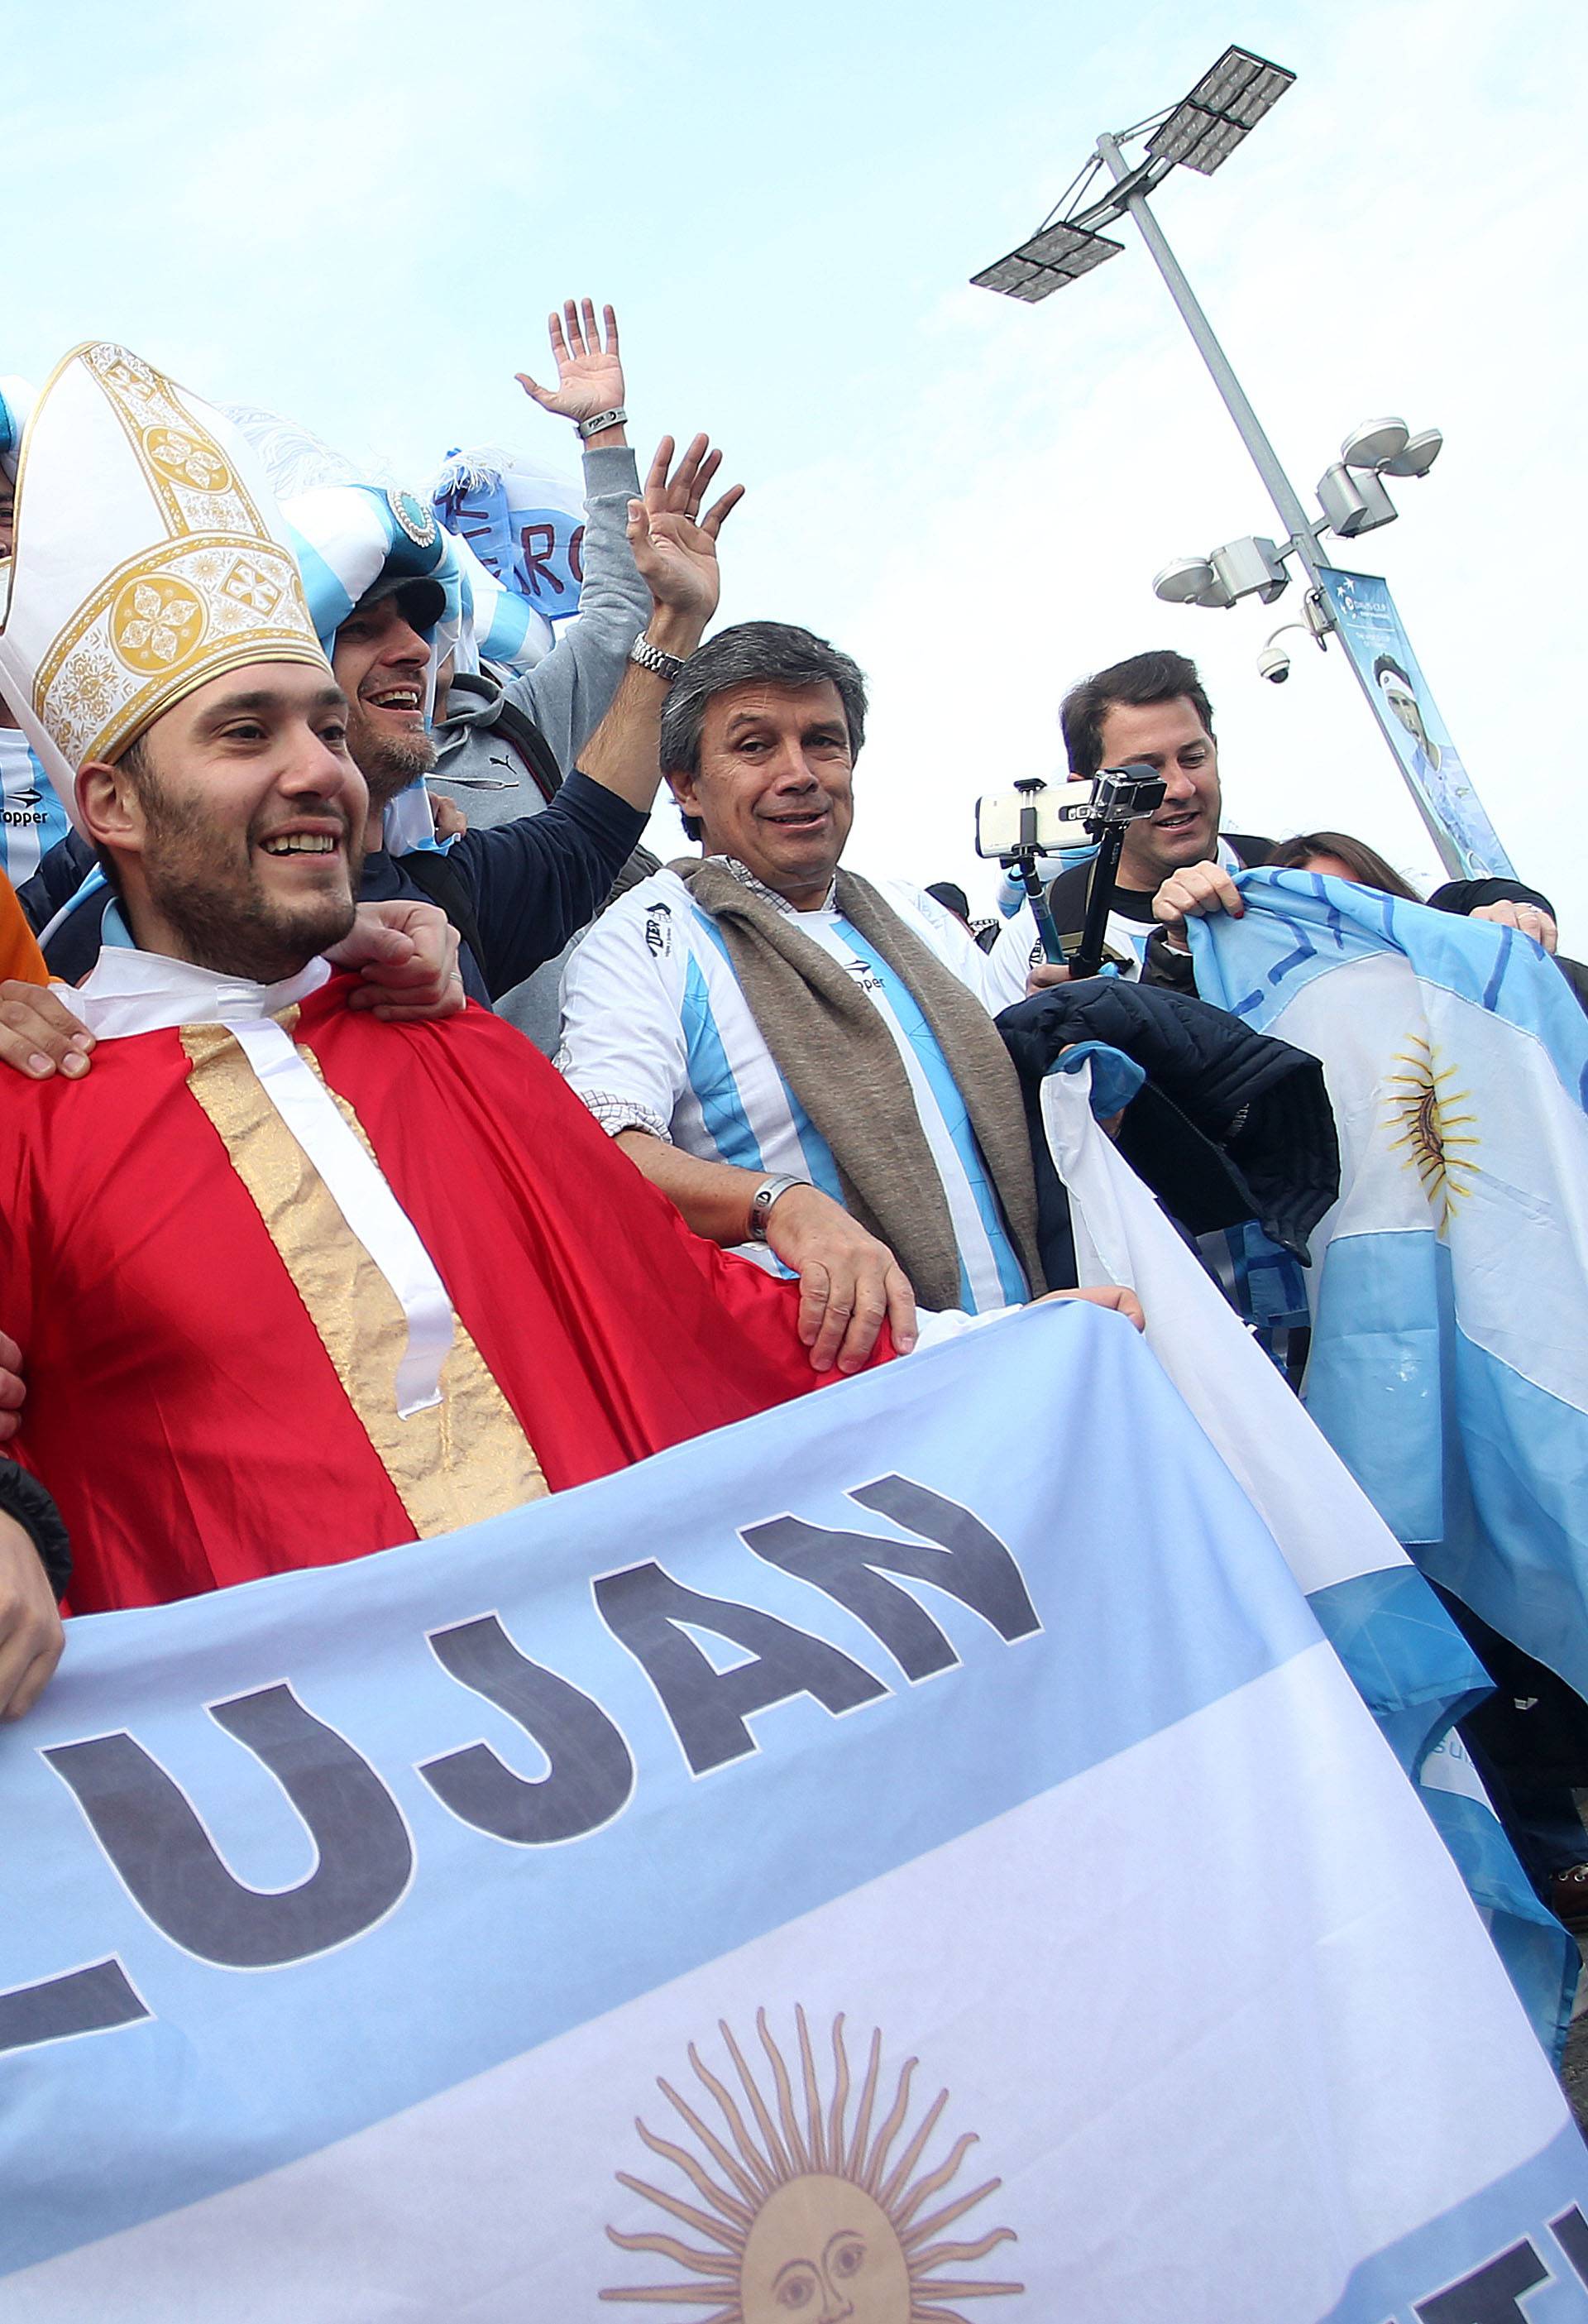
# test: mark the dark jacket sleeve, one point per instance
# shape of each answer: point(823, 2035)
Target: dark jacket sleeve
point(1465, 896)
point(23, 1497)
point(537, 880)
point(60, 873)
point(1231, 1125)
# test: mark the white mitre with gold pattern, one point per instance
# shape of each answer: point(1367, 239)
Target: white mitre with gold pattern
point(149, 558)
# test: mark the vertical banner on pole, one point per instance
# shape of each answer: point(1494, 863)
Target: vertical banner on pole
point(1379, 651)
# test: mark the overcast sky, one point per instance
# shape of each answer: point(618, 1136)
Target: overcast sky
point(359, 213)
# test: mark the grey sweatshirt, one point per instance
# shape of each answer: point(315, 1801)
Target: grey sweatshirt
point(567, 695)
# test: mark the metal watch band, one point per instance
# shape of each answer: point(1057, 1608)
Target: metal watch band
point(615, 417)
point(762, 1200)
point(660, 664)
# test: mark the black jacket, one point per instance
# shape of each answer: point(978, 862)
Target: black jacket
point(1230, 1124)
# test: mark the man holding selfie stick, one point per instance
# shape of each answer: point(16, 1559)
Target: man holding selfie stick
point(1178, 862)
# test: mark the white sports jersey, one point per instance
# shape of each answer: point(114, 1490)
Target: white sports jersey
point(657, 1036)
point(32, 817)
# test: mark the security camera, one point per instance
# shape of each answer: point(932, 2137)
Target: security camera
point(1274, 664)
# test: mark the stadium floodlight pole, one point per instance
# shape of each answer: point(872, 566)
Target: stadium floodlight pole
point(1200, 133)
point(1280, 491)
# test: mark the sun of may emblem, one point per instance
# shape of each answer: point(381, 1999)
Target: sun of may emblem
point(810, 2217)
point(1432, 1140)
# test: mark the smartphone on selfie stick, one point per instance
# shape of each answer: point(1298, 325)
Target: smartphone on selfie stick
point(1037, 819)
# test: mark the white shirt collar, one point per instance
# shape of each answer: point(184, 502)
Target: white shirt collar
point(145, 992)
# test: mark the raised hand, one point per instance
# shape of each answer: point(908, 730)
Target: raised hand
point(1527, 919)
point(1192, 892)
point(675, 546)
point(590, 376)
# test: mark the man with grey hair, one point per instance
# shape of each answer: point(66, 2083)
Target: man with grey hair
point(803, 1062)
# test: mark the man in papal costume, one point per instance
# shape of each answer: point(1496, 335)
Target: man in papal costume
point(291, 1285)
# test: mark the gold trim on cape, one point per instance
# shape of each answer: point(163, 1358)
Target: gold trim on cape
point(465, 1458)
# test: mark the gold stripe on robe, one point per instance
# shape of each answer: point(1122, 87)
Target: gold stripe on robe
point(462, 1459)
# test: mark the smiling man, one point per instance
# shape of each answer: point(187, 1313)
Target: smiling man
point(290, 1286)
point(228, 847)
point(1178, 863)
point(1149, 711)
point(807, 1066)
point(516, 892)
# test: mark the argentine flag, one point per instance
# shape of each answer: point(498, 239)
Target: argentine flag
point(1449, 1363)
point(1409, 1663)
point(912, 1855)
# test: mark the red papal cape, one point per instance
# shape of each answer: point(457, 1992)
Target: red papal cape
point(209, 1351)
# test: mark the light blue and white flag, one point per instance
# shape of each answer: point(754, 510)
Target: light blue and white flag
point(1410, 1664)
point(1449, 1360)
point(495, 624)
point(648, 1900)
point(523, 523)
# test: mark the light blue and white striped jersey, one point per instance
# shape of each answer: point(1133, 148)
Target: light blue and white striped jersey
point(32, 817)
point(657, 1036)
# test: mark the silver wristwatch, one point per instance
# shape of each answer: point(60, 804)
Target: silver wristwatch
point(767, 1192)
point(615, 417)
point(652, 658)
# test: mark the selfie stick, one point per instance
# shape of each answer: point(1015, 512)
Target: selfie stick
point(1123, 796)
point(1023, 862)
point(1087, 959)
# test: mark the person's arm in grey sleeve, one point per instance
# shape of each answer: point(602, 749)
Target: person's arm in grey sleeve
point(569, 693)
